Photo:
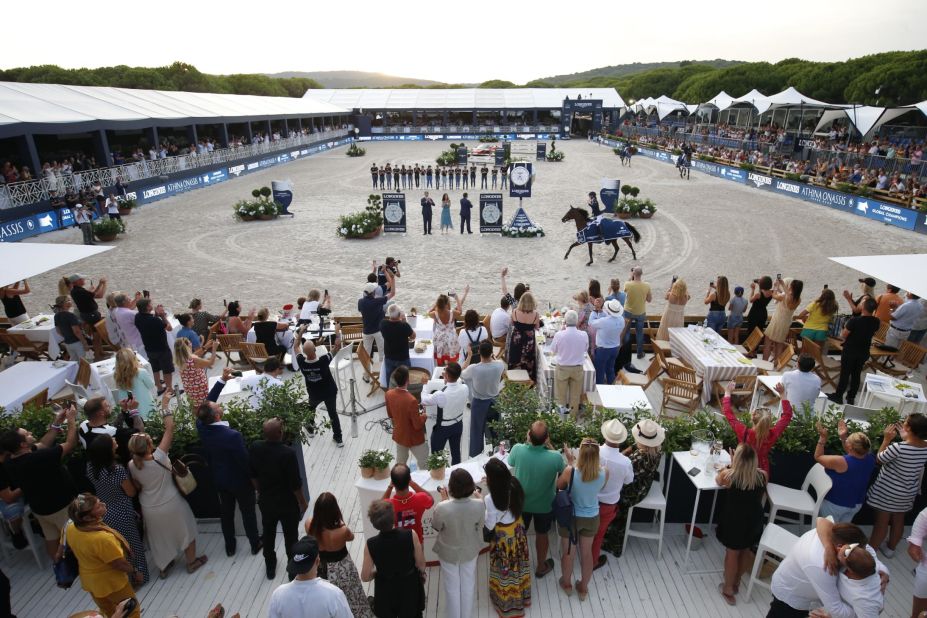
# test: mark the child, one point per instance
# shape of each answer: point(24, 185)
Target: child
point(735, 318)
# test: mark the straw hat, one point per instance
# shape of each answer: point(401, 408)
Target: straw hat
point(614, 431)
point(648, 433)
point(613, 307)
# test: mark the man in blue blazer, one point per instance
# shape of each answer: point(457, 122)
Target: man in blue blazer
point(228, 460)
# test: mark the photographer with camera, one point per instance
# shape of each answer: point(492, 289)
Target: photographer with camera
point(387, 273)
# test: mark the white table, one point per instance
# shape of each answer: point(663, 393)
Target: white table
point(547, 365)
point(886, 388)
point(28, 378)
point(424, 359)
point(106, 370)
point(233, 386)
point(41, 329)
point(771, 382)
point(423, 326)
point(714, 361)
point(701, 482)
point(369, 490)
point(623, 398)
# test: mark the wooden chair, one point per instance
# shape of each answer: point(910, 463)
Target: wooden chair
point(372, 374)
point(107, 346)
point(744, 386)
point(826, 368)
point(664, 360)
point(684, 373)
point(767, 367)
point(644, 380)
point(255, 354)
point(751, 343)
point(231, 344)
point(678, 393)
point(36, 401)
point(498, 343)
point(78, 388)
point(659, 343)
point(879, 337)
point(353, 333)
point(20, 344)
point(910, 355)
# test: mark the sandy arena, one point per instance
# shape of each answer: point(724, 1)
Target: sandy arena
point(191, 245)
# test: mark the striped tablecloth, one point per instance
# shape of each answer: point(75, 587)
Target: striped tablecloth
point(547, 365)
point(717, 360)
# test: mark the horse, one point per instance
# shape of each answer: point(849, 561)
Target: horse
point(683, 163)
point(625, 155)
point(581, 217)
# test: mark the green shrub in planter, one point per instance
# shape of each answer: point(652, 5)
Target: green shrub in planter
point(355, 151)
point(846, 187)
point(357, 224)
point(127, 203)
point(377, 459)
point(438, 460)
point(104, 228)
point(793, 176)
point(747, 166)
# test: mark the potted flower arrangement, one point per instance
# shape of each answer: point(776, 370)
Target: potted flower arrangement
point(437, 463)
point(126, 206)
point(647, 208)
point(355, 151)
point(554, 154)
point(532, 231)
point(374, 463)
point(627, 207)
point(261, 207)
point(246, 210)
point(366, 223)
point(106, 229)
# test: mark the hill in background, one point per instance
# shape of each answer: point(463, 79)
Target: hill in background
point(354, 79)
point(623, 70)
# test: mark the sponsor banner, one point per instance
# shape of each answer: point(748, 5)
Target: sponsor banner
point(214, 176)
point(609, 194)
point(542, 151)
point(283, 194)
point(32, 225)
point(294, 154)
point(462, 155)
point(283, 158)
point(520, 179)
point(154, 193)
point(706, 166)
point(499, 155)
point(733, 173)
point(826, 197)
point(760, 181)
point(887, 213)
point(253, 166)
point(520, 220)
point(236, 170)
point(490, 213)
point(921, 224)
point(394, 212)
point(66, 216)
point(789, 187)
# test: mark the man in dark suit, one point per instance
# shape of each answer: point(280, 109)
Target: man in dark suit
point(465, 208)
point(228, 460)
point(427, 205)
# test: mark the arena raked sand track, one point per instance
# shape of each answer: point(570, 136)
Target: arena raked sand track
point(191, 245)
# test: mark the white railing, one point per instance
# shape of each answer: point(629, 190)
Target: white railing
point(32, 191)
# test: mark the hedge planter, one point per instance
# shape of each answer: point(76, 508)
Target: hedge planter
point(367, 473)
point(267, 217)
point(372, 234)
point(125, 212)
point(246, 217)
point(106, 237)
point(643, 215)
point(438, 474)
point(624, 215)
point(381, 473)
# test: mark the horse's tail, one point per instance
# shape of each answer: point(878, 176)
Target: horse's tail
point(637, 235)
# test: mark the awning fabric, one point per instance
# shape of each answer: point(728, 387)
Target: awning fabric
point(903, 271)
point(21, 260)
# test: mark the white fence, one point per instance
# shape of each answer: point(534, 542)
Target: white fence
point(32, 191)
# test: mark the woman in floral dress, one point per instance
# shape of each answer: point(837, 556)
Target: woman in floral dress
point(522, 352)
point(447, 346)
point(509, 560)
point(193, 369)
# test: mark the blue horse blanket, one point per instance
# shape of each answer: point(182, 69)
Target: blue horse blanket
point(604, 231)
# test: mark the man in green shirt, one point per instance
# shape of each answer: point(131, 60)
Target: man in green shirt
point(637, 295)
point(537, 467)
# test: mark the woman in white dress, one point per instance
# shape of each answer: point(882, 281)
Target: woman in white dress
point(169, 524)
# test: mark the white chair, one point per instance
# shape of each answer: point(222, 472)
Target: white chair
point(344, 371)
point(655, 501)
point(775, 540)
point(856, 413)
point(782, 498)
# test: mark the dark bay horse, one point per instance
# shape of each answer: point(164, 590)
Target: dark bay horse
point(580, 216)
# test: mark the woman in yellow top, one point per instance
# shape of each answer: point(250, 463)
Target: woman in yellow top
point(102, 553)
point(817, 316)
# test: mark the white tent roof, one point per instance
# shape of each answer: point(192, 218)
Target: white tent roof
point(791, 97)
point(866, 119)
point(21, 260)
point(460, 98)
point(755, 98)
point(722, 101)
point(666, 106)
point(58, 104)
point(904, 271)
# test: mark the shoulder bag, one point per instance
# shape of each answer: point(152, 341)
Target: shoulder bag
point(183, 478)
point(66, 568)
point(563, 509)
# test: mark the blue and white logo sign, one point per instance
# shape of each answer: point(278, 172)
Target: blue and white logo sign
point(733, 173)
point(760, 181)
point(826, 197)
point(25, 227)
point(886, 213)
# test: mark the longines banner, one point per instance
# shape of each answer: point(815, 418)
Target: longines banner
point(500, 156)
point(609, 194)
point(520, 179)
point(462, 155)
point(490, 213)
point(542, 151)
point(394, 212)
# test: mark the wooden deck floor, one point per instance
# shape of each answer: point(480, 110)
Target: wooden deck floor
point(637, 584)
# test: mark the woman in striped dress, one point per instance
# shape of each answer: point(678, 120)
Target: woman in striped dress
point(892, 495)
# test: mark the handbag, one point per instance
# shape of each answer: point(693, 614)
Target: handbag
point(563, 508)
point(66, 569)
point(183, 478)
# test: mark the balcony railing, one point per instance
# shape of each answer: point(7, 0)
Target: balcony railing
point(33, 191)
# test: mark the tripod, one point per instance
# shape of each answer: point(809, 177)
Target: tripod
point(353, 407)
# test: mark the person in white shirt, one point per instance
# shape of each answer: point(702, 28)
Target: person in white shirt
point(569, 346)
point(484, 379)
point(124, 317)
point(500, 319)
point(259, 382)
point(807, 575)
point(620, 473)
point(470, 335)
point(859, 584)
point(315, 304)
point(452, 403)
point(802, 384)
point(307, 596)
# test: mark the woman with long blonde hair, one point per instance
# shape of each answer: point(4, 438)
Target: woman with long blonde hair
point(673, 316)
point(169, 524)
point(762, 435)
point(134, 382)
point(522, 351)
point(740, 522)
point(193, 369)
point(787, 294)
point(583, 479)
